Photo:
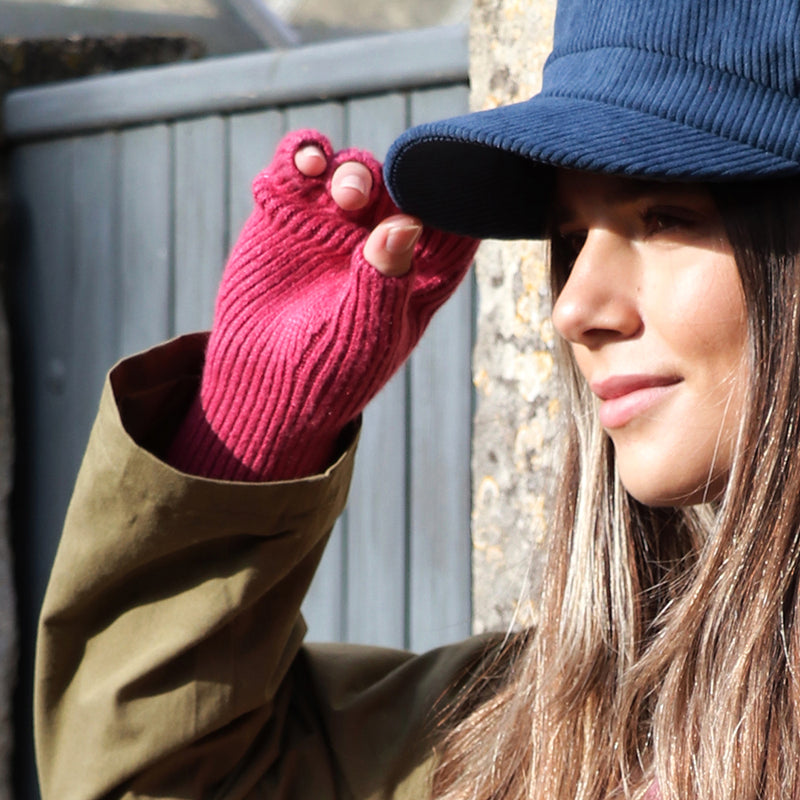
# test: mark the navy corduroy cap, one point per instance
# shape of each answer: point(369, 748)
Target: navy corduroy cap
point(704, 90)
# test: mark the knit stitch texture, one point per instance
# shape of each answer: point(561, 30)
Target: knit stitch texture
point(306, 331)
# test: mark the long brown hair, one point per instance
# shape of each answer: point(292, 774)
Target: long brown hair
point(668, 648)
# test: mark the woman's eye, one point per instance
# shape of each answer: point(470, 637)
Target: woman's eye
point(661, 220)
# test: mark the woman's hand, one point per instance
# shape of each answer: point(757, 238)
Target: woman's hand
point(390, 246)
point(324, 296)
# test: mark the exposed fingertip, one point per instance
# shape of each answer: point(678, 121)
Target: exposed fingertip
point(310, 160)
point(390, 246)
point(351, 186)
point(357, 182)
point(401, 237)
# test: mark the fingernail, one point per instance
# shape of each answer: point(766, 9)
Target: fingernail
point(401, 238)
point(356, 182)
point(315, 156)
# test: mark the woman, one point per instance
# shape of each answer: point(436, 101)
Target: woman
point(658, 160)
point(667, 647)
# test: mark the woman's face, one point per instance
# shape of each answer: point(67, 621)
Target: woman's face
point(654, 313)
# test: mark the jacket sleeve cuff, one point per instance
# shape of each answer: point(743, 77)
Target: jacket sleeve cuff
point(148, 394)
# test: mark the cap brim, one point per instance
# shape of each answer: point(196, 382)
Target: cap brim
point(488, 174)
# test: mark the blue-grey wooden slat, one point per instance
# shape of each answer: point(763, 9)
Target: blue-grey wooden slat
point(94, 344)
point(375, 604)
point(441, 418)
point(324, 605)
point(375, 122)
point(439, 574)
point(62, 295)
point(199, 218)
point(252, 138)
point(41, 303)
point(344, 68)
point(327, 117)
point(145, 255)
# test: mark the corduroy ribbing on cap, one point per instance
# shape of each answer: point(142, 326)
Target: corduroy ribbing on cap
point(690, 90)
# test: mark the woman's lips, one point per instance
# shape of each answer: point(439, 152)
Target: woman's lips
point(624, 397)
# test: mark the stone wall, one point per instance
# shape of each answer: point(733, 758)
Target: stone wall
point(27, 62)
point(514, 423)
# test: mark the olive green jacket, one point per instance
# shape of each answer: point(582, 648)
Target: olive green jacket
point(170, 661)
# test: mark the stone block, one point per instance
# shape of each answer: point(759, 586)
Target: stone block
point(516, 413)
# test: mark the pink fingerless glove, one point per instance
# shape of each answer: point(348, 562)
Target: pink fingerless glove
point(306, 331)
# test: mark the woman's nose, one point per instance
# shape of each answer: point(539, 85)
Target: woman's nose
point(599, 300)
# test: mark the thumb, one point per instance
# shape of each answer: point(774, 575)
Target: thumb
point(390, 246)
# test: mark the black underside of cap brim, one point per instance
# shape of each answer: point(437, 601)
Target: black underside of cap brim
point(490, 174)
point(471, 189)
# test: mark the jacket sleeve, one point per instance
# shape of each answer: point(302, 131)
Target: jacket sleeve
point(169, 660)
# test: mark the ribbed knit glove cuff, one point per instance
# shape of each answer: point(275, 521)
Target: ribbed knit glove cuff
point(306, 332)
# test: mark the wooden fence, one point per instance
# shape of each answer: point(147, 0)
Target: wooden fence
point(127, 192)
